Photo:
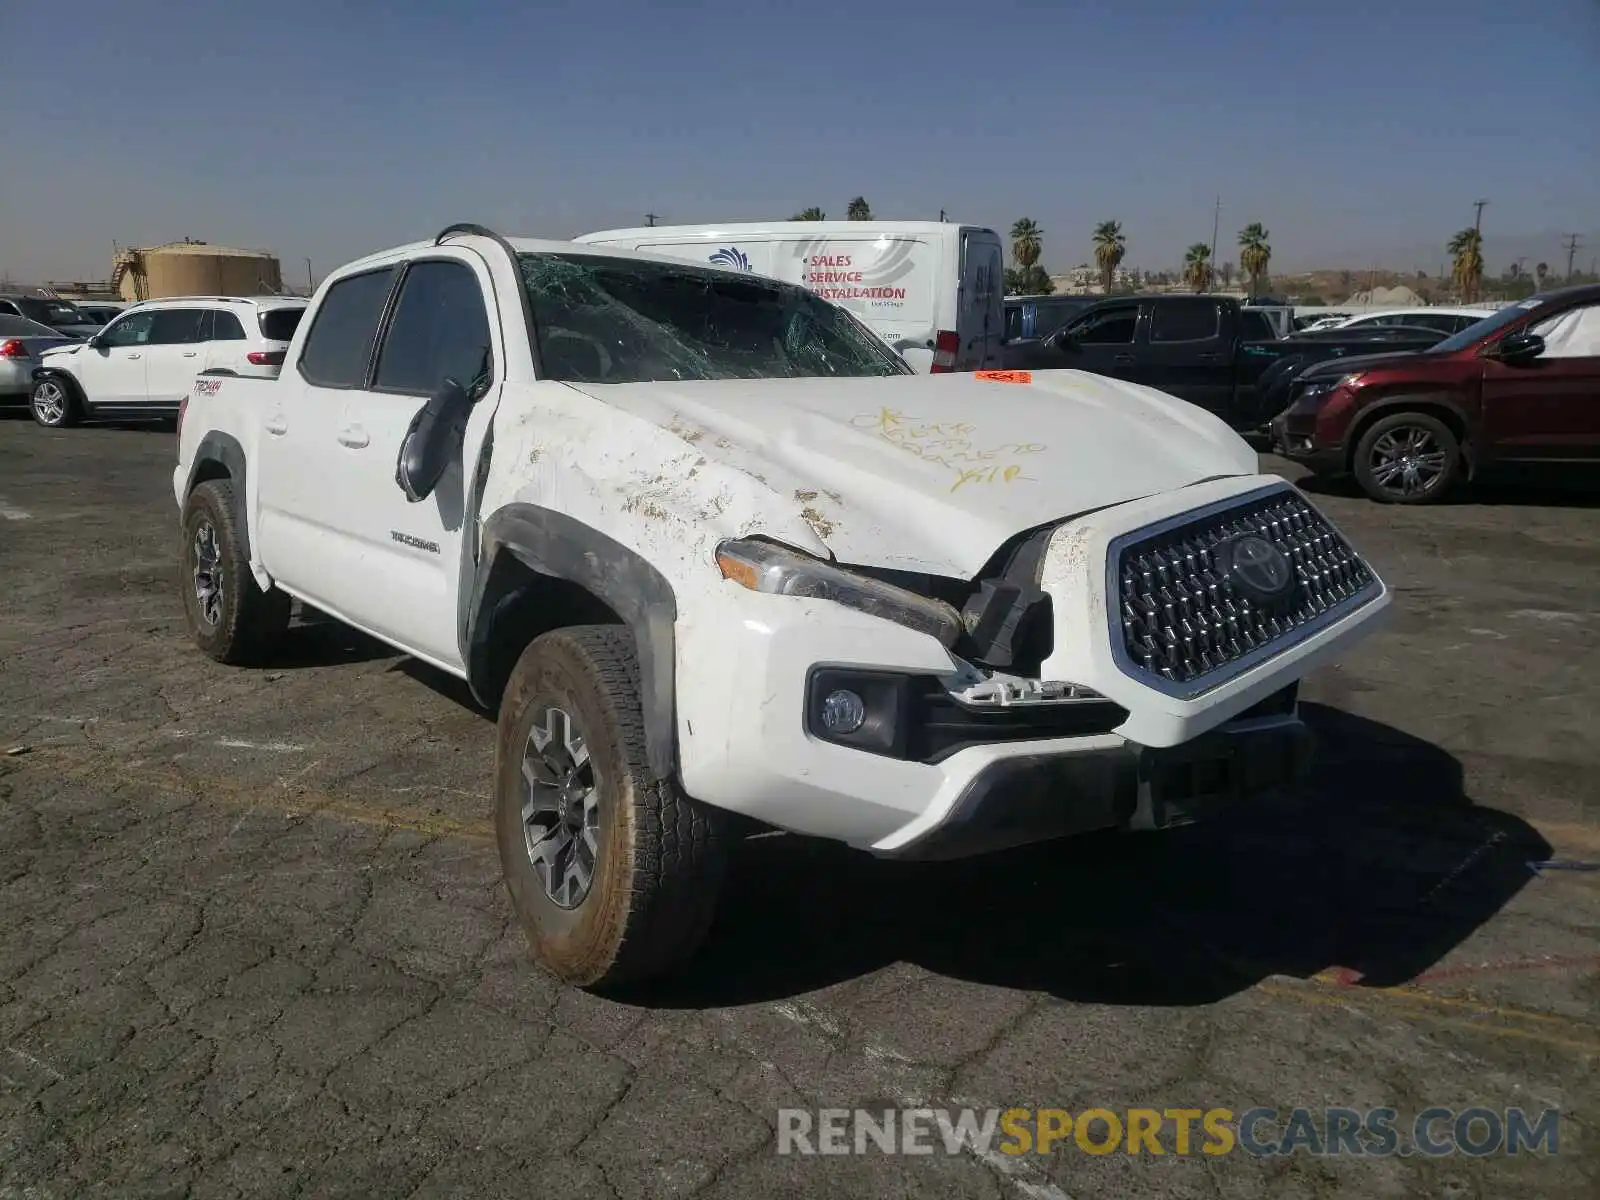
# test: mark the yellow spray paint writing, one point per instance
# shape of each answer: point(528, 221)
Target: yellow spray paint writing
point(950, 445)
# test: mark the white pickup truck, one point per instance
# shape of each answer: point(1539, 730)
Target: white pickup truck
point(721, 561)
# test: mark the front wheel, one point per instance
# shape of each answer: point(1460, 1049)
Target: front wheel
point(1407, 458)
point(54, 403)
point(613, 873)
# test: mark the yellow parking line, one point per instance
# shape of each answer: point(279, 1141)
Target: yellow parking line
point(1550, 1027)
point(63, 762)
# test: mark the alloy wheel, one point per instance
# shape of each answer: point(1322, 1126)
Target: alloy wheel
point(49, 402)
point(208, 573)
point(560, 808)
point(1408, 461)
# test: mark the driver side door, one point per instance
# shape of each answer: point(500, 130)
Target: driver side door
point(439, 328)
point(112, 370)
point(1100, 341)
point(1548, 409)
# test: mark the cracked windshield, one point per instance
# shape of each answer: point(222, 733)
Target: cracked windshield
point(613, 320)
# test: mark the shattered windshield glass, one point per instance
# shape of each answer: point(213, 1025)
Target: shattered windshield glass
point(599, 319)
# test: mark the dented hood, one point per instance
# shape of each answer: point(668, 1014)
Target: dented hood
point(934, 472)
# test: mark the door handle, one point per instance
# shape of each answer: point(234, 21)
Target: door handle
point(276, 426)
point(1206, 357)
point(133, 356)
point(353, 436)
point(190, 353)
point(1123, 358)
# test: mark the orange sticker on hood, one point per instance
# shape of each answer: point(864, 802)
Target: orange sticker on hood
point(1006, 376)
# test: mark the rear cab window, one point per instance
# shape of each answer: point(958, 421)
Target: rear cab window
point(1187, 321)
point(338, 350)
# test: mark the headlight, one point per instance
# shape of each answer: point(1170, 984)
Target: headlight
point(764, 567)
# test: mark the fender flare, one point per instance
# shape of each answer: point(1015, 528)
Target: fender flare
point(223, 449)
point(556, 545)
point(1385, 406)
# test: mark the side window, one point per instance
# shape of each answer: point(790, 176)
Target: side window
point(1186, 320)
point(176, 326)
point(225, 327)
point(1108, 327)
point(339, 345)
point(132, 330)
point(440, 331)
point(1573, 334)
point(1013, 322)
point(10, 308)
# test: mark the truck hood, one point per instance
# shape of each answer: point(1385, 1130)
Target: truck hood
point(934, 473)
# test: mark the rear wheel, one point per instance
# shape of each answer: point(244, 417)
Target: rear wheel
point(613, 873)
point(229, 616)
point(1408, 458)
point(55, 403)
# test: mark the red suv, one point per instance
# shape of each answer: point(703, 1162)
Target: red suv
point(1520, 386)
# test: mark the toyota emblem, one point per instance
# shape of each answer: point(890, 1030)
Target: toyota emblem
point(1259, 569)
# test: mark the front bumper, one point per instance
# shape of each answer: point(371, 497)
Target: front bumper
point(1038, 797)
point(1293, 435)
point(746, 664)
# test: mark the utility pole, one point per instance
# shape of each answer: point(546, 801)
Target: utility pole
point(1216, 217)
point(1477, 217)
point(311, 280)
point(650, 219)
point(1572, 249)
point(941, 216)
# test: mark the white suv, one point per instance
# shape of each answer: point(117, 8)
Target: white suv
point(143, 362)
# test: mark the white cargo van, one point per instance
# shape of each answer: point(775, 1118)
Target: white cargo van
point(931, 290)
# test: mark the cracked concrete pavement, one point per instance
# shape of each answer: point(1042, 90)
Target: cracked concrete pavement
point(253, 940)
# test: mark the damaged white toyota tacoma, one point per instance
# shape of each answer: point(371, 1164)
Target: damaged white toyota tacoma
point(720, 560)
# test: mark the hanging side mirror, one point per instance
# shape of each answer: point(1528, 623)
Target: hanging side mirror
point(432, 440)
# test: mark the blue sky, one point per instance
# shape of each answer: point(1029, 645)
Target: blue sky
point(329, 129)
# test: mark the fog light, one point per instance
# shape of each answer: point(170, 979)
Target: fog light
point(843, 712)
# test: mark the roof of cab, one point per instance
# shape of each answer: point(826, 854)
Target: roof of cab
point(521, 246)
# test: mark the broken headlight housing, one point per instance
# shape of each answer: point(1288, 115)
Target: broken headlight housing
point(767, 567)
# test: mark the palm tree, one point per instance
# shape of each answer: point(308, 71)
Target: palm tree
point(1027, 242)
point(859, 210)
point(1466, 254)
point(1109, 247)
point(1254, 254)
point(810, 214)
point(1540, 273)
point(1197, 267)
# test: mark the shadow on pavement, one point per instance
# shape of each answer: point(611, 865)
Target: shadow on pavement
point(1544, 487)
point(1381, 865)
point(315, 639)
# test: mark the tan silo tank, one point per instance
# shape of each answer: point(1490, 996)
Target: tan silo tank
point(195, 269)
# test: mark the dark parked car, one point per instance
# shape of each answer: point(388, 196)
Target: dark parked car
point(1209, 350)
point(1521, 386)
point(61, 315)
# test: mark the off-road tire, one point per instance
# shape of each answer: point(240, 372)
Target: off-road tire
point(71, 402)
point(1443, 438)
point(250, 620)
point(662, 854)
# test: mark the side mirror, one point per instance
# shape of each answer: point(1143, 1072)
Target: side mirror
point(1519, 348)
point(431, 440)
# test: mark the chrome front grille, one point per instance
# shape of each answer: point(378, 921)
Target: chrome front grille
point(1185, 619)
